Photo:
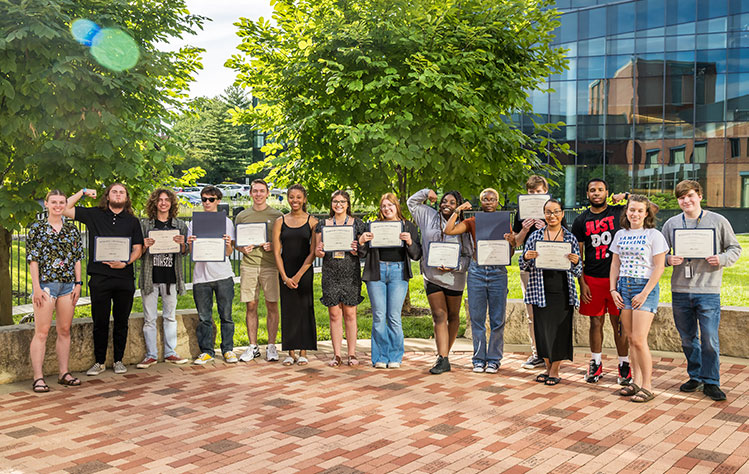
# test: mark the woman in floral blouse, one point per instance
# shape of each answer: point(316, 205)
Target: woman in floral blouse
point(54, 252)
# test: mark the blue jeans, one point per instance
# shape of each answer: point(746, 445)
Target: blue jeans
point(487, 285)
point(151, 314)
point(202, 293)
point(703, 353)
point(629, 287)
point(386, 296)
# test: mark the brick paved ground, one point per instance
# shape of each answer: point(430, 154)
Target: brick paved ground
point(262, 417)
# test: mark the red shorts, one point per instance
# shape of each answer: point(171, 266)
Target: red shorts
point(601, 299)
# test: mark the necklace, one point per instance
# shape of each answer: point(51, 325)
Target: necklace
point(555, 237)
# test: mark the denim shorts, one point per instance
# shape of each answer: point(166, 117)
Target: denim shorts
point(630, 287)
point(56, 289)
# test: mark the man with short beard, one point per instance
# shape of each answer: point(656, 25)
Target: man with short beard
point(111, 284)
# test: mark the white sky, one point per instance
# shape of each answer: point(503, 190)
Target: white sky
point(219, 39)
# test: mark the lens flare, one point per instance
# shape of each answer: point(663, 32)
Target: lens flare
point(114, 49)
point(84, 30)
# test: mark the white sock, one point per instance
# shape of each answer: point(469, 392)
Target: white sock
point(623, 359)
point(596, 357)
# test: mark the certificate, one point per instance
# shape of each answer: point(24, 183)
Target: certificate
point(492, 225)
point(253, 233)
point(208, 224)
point(531, 206)
point(111, 249)
point(694, 243)
point(492, 252)
point(443, 254)
point(386, 234)
point(164, 241)
point(553, 255)
point(337, 238)
point(208, 249)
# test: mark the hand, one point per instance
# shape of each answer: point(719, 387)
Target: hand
point(90, 193)
point(530, 255)
point(147, 242)
point(674, 260)
point(444, 269)
point(320, 250)
point(463, 207)
point(540, 224)
point(585, 294)
point(432, 196)
point(246, 249)
point(639, 299)
point(406, 237)
point(618, 197)
point(76, 294)
point(41, 297)
point(713, 260)
point(354, 247)
point(291, 283)
point(510, 237)
point(179, 238)
point(365, 237)
point(618, 301)
point(528, 223)
point(267, 246)
point(191, 239)
point(573, 257)
point(227, 239)
point(116, 265)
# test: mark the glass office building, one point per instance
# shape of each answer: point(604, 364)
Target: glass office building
point(657, 91)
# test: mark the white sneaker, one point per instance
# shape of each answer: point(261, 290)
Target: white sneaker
point(250, 353)
point(119, 367)
point(380, 365)
point(203, 358)
point(394, 365)
point(271, 353)
point(96, 369)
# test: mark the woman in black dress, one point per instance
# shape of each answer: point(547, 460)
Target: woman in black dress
point(341, 278)
point(552, 293)
point(294, 249)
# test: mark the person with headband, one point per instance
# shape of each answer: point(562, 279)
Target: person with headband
point(487, 287)
point(443, 286)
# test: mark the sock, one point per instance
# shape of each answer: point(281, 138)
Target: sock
point(596, 357)
point(623, 359)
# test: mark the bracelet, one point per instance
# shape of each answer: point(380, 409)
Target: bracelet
point(611, 291)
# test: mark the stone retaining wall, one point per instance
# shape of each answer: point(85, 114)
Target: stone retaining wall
point(15, 363)
point(734, 328)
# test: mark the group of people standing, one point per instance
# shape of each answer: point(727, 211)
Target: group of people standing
point(616, 246)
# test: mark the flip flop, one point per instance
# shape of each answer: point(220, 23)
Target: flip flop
point(68, 382)
point(541, 378)
point(552, 380)
point(642, 396)
point(335, 362)
point(352, 361)
point(39, 388)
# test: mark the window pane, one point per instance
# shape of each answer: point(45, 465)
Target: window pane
point(709, 130)
point(619, 66)
point(590, 68)
point(738, 60)
point(738, 6)
point(567, 31)
point(737, 93)
point(620, 46)
point(590, 102)
point(738, 22)
point(710, 94)
point(649, 66)
point(712, 59)
point(539, 102)
point(589, 134)
point(711, 9)
point(649, 99)
point(619, 97)
point(680, 43)
point(681, 29)
point(716, 25)
point(650, 45)
point(738, 39)
point(562, 106)
point(589, 152)
point(620, 18)
point(680, 11)
point(592, 23)
point(650, 14)
point(712, 41)
point(677, 155)
point(592, 47)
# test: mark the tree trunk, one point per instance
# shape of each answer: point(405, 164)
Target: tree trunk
point(403, 197)
point(6, 301)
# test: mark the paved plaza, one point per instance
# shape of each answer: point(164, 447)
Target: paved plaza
point(263, 417)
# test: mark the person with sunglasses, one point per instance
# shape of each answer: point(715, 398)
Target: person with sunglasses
point(211, 278)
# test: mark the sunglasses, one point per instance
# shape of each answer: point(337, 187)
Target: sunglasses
point(210, 199)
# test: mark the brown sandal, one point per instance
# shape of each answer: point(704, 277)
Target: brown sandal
point(629, 391)
point(39, 388)
point(335, 362)
point(68, 382)
point(643, 396)
point(353, 361)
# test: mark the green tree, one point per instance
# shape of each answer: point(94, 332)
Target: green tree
point(376, 95)
point(66, 121)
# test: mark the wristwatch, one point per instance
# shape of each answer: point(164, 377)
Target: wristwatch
point(78, 283)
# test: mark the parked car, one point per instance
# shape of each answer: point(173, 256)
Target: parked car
point(231, 191)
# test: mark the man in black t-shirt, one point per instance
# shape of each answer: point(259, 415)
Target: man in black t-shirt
point(594, 230)
point(111, 283)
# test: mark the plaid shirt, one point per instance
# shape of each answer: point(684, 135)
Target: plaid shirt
point(534, 292)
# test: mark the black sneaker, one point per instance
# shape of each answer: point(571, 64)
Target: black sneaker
point(625, 374)
point(690, 386)
point(714, 392)
point(441, 365)
point(594, 372)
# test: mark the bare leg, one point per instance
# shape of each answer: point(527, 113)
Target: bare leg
point(596, 334)
point(638, 338)
point(349, 316)
point(554, 368)
point(65, 310)
point(620, 339)
point(453, 319)
point(625, 316)
point(272, 320)
point(42, 323)
point(336, 328)
point(251, 319)
point(438, 305)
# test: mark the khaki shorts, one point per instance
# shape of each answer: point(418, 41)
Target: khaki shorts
point(252, 277)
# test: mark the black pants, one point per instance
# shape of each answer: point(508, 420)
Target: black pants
point(115, 295)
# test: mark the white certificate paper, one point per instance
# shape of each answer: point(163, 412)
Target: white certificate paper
point(337, 238)
point(208, 249)
point(253, 233)
point(164, 241)
point(493, 252)
point(443, 254)
point(531, 206)
point(386, 234)
point(553, 255)
point(112, 249)
point(694, 243)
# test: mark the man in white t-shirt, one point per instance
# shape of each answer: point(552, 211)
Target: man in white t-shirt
point(209, 278)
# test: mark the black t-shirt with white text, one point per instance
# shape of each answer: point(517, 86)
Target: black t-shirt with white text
point(163, 263)
point(597, 232)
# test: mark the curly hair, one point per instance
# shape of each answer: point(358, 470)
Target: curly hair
point(153, 201)
point(648, 222)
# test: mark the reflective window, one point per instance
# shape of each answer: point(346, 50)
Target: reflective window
point(680, 43)
point(700, 152)
point(619, 66)
point(716, 25)
point(620, 18)
point(709, 129)
point(680, 11)
point(738, 22)
point(711, 8)
point(592, 47)
point(649, 65)
point(592, 23)
point(738, 39)
point(681, 29)
point(562, 105)
point(539, 100)
point(677, 155)
point(709, 94)
point(650, 45)
point(738, 6)
point(590, 133)
point(590, 102)
point(617, 128)
point(620, 46)
point(591, 68)
point(712, 59)
point(737, 93)
point(735, 145)
point(619, 97)
point(650, 14)
point(567, 31)
point(712, 41)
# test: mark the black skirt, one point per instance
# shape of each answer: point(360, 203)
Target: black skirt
point(552, 324)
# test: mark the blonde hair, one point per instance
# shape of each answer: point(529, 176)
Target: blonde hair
point(535, 181)
point(394, 199)
point(489, 190)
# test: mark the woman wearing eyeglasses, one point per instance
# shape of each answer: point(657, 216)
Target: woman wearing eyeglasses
point(552, 293)
point(341, 278)
point(487, 286)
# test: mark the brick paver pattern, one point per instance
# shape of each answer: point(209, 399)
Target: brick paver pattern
point(263, 417)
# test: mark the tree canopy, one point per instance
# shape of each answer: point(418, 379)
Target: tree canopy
point(376, 95)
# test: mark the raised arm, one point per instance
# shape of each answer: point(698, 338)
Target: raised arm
point(451, 228)
point(69, 211)
point(419, 210)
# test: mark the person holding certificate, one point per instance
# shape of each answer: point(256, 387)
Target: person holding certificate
point(444, 281)
point(258, 270)
point(639, 255)
point(341, 273)
point(161, 273)
point(551, 289)
point(487, 287)
point(54, 252)
point(212, 275)
point(294, 251)
point(116, 241)
point(386, 272)
point(695, 284)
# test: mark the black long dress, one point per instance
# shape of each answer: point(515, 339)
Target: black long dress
point(552, 324)
point(298, 328)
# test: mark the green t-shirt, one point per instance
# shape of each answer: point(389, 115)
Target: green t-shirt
point(258, 256)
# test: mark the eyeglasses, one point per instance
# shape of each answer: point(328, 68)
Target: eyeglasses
point(340, 202)
point(553, 213)
point(210, 199)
